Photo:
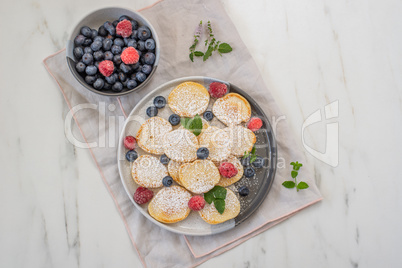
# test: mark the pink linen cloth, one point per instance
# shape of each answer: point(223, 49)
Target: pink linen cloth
point(175, 22)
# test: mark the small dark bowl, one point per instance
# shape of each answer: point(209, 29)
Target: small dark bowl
point(94, 20)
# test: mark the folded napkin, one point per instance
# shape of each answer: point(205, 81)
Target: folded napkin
point(175, 22)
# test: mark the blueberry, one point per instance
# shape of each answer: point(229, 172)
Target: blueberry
point(202, 153)
point(144, 33)
point(152, 111)
point(79, 40)
point(87, 59)
point(140, 77)
point(134, 23)
point(109, 28)
point(131, 84)
point(117, 87)
point(208, 115)
point(97, 64)
point(91, 70)
point(111, 79)
point(86, 31)
point(146, 69)
point(98, 55)
point(80, 67)
point(107, 44)
point(124, 17)
point(125, 83)
point(78, 52)
point(134, 35)
point(99, 38)
point(108, 55)
point(131, 155)
point(150, 44)
point(258, 162)
point(94, 33)
point(174, 119)
point(90, 79)
point(125, 68)
point(159, 102)
point(116, 49)
point(88, 50)
point(249, 172)
point(167, 181)
point(136, 67)
point(95, 46)
point(116, 59)
point(87, 42)
point(243, 191)
point(102, 31)
point(122, 77)
point(99, 83)
point(118, 42)
point(164, 159)
point(132, 43)
point(245, 161)
point(149, 58)
point(141, 45)
point(107, 86)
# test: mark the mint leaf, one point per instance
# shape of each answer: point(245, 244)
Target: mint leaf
point(302, 185)
point(209, 197)
point(198, 53)
point(191, 57)
point(185, 122)
point(219, 205)
point(253, 158)
point(196, 125)
point(289, 184)
point(224, 48)
point(294, 174)
point(208, 53)
point(219, 192)
point(253, 150)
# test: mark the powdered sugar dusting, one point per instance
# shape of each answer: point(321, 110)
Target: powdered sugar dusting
point(171, 203)
point(242, 139)
point(188, 99)
point(148, 171)
point(231, 109)
point(173, 168)
point(218, 143)
point(232, 209)
point(199, 176)
point(229, 181)
point(181, 145)
point(150, 136)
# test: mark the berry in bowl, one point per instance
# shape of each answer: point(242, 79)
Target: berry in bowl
point(113, 51)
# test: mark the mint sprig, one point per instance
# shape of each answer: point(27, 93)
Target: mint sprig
point(210, 43)
point(251, 154)
point(192, 124)
point(216, 195)
point(292, 184)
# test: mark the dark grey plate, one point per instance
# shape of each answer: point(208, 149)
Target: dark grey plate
point(259, 185)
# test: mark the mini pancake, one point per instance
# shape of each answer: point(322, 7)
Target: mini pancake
point(232, 208)
point(188, 99)
point(232, 109)
point(242, 140)
point(199, 176)
point(148, 171)
point(151, 133)
point(218, 143)
point(229, 181)
point(180, 145)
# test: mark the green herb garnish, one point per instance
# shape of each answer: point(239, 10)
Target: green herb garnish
point(211, 44)
point(294, 173)
point(251, 154)
point(192, 124)
point(217, 195)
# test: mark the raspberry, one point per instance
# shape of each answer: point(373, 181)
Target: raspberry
point(143, 195)
point(227, 170)
point(217, 90)
point(129, 142)
point(130, 56)
point(106, 67)
point(124, 28)
point(254, 124)
point(196, 203)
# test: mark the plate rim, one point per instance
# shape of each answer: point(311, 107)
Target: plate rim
point(121, 138)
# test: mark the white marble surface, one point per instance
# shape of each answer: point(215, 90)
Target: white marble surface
point(310, 53)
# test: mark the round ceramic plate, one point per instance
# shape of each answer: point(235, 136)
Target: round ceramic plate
point(259, 186)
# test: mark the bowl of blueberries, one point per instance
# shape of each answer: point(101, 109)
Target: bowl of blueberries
point(113, 51)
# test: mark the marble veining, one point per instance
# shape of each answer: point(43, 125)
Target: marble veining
point(56, 211)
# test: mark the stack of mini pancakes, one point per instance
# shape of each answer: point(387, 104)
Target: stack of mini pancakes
point(193, 176)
